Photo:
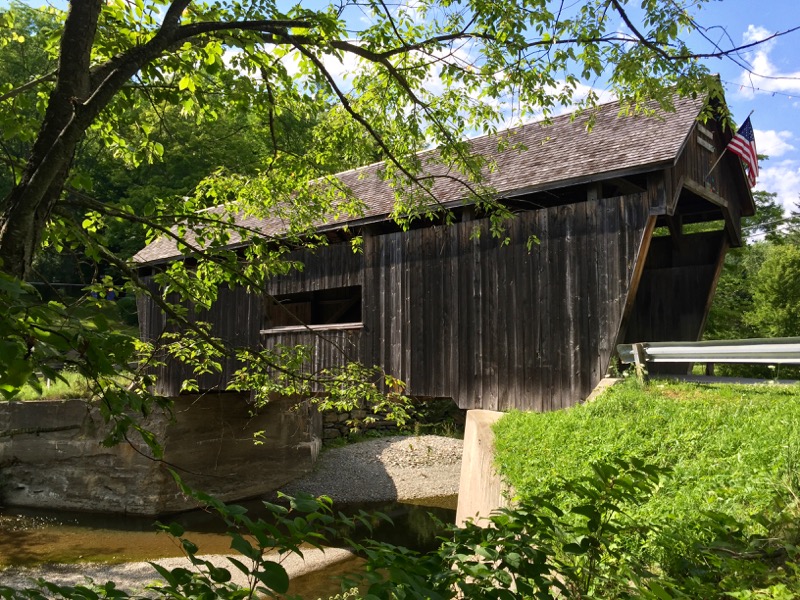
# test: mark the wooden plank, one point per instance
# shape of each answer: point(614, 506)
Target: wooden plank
point(705, 193)
point(500, 352)
point(544, 356)
point(478, 315)
point(676, 194)
point(386, 306)
point(640, 260)
point(574, 300)
point(591, 367)
point(466, 329)
point(524, 320)
point(489, 259)
point(321, 328)
point(610, 278)
point(563, 302)
point(435, 314)
point(395, 292)
point(553, 342)
point(511, 374)
point(454, 293)
point(405, 307)
point(417, 270)
point(444, 339)
point(429, 310)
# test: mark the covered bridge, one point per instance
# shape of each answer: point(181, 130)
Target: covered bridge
point(501, 326)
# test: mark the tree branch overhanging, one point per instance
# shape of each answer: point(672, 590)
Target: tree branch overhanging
point(21, 89)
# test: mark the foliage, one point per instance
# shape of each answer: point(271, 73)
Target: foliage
point(776, 292)
point(49, 336)
point(539, 548)
point(68, 385)
point(733, 298)
point(755, 296)
point(534, 550)
point(731, 450)
point(258, 545)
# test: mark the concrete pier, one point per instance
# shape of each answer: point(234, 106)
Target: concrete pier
point(481, 490)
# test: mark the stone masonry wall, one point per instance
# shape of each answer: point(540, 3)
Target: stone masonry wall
point(51, 455)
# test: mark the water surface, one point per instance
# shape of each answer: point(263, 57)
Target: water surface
point(31, 537)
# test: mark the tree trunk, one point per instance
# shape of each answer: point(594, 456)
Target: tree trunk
point(23, 220)
point(25, 211)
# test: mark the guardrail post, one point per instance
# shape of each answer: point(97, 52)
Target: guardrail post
point(640, 363)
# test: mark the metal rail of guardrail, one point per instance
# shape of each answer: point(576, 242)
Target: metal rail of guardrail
point(772, 351)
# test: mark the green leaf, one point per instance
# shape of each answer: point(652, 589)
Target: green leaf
point(186, 83)
point(219, 575)
point(241, 545)
point(659, 591)
point(274, 576)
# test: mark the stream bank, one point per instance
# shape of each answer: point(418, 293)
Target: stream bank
point(406, 469)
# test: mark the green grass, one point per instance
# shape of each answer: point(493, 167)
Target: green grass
point(732, 448)
point(75, 386)
point(93, 316)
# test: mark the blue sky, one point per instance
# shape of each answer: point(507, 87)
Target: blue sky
point(771, 89)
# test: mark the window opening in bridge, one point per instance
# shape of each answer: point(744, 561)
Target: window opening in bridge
point(332, 307)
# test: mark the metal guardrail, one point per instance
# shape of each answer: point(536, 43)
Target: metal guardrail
point(772, 351)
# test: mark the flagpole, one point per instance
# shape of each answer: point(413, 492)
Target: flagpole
point(721, 154)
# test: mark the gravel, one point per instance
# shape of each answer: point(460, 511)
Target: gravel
point(408, 468)
point(386, 469)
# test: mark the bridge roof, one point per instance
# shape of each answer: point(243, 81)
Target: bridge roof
point(556, 155)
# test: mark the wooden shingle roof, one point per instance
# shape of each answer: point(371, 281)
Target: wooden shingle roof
point(557, 155)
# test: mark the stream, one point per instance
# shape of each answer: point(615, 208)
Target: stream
point(35, 537)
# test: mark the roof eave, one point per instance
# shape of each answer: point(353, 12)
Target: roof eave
point(504, 194)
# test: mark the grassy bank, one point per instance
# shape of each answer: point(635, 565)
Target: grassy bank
point(731, 449)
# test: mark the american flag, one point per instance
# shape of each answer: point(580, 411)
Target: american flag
point(743, 145)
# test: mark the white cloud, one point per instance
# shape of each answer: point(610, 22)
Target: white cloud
point(773, 143)
point(340, 70)
point(782, 178)
point(413, 9)
point(765, 75)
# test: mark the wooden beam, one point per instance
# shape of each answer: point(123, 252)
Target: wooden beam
point(675, 226)
point(638, 270)
point(657, 192)
point(594, 191)
point(675, 196)
point(640, 363)
point(713, 289)
point(732, 227)
point(311, 328)
point(705, 193)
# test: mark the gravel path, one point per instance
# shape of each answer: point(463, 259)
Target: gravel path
point(384, 469)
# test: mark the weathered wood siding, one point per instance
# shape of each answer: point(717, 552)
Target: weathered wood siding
point(326, 267)
point(495, 325)
point(327, 348)
point(676, 290)
point(726, 180)
point(456, 312)
point(235, 318)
